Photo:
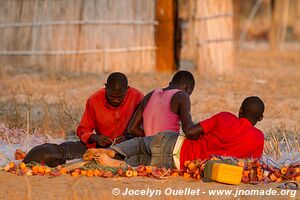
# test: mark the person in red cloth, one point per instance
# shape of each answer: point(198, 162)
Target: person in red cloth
point(223, 134)
point(226, 134)
point(108, 112)
point(104, 122)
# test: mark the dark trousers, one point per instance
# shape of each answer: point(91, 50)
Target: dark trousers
point(54, 154)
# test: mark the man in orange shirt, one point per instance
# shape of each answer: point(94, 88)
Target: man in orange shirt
point(104, 122)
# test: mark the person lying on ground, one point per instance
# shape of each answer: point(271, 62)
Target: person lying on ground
point(104, 122)
point(223, 134)
point(164, 109)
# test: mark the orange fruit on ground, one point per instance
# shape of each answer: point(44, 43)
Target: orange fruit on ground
point(186, 163)
point(186, 175)
point(283, 170)
point(89, 173)
point(191, 166)
point(47, 170)
point(22, 165)
point(41, 169)
point(11, 164)
point(83, 172)
point(96, 172)
point(175, 174)
point(63, 170)
point(75, 174)
point(134, 173)
point(273, 177)
point(278, 180)
point(35, 169)
point(129, 173)
point(241, 164)
point(148, 169)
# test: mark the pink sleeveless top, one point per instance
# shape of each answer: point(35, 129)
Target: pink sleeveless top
point(157, 115)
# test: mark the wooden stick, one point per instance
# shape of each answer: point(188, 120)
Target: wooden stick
point(214, 16)
point(74, 52)
point(250, 19)
point(78, 22)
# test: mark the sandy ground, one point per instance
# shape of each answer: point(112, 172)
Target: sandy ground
point(66, 187)
point(275, 77)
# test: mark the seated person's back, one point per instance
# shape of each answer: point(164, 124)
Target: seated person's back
point(157, 115)
point(163, 109)
point(227, 135)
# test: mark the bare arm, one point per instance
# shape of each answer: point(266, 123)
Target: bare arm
point(192, 131)
point(134, 127)
point(184, 108)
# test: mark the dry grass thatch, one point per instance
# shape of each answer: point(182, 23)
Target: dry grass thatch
point(86, 36)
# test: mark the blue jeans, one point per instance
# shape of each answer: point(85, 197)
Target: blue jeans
point(153, 150)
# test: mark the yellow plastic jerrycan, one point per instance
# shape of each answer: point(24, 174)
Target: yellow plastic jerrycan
point(225, 173)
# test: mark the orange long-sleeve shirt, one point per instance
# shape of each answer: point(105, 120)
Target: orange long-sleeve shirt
point(105, 119)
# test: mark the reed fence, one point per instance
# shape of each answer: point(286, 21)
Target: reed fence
point(79, 35)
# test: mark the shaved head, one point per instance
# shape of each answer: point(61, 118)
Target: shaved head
point(184, 80)
point(252, 108)
point(116, 88)
point(117, 81)
point(183, 77)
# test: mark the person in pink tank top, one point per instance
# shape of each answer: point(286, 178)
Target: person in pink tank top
point(157, 115)
point(163, 109)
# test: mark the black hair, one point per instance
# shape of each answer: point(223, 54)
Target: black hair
point(183, 77)
point(253, 107)
point(117, 81)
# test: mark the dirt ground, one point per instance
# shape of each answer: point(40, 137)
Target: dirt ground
point(52, 102)
point(67, 187)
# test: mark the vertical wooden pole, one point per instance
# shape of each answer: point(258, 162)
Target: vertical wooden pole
point(284, 22)
point(164, 35)
point(296, 24)
point(278, 25)
point(187, 14)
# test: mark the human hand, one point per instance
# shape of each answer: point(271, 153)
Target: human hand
point(101, 140)
point(120, 139)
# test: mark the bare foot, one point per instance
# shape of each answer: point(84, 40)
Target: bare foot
point(104, 160)
point(93, 151)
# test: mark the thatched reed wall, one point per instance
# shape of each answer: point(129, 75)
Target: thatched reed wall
point(208, 34)
point(214, 35)
point(80, 35)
